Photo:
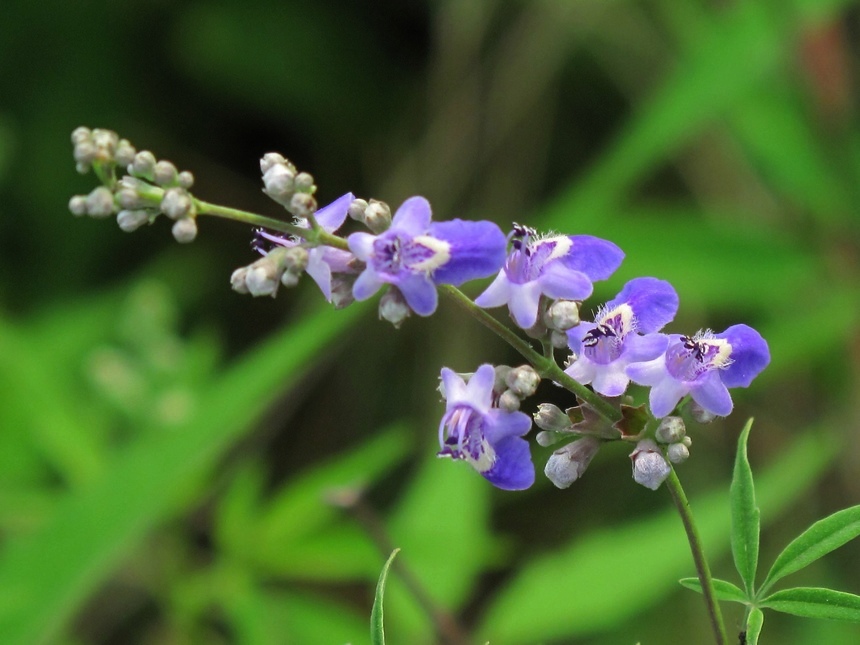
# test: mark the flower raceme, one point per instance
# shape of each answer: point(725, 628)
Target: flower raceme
point(487, 438)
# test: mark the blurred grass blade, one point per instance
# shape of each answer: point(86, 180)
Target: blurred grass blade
point(724, 590)
point(818, 540)
point(45, 576)
point(603, 572)
point(745, 515)
point(815, 602)
point(754, 625)
point(377, 630)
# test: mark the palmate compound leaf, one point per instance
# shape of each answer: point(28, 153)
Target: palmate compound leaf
point(745, 515)
point(377, 631)
point(818, 540)
point(815, 602)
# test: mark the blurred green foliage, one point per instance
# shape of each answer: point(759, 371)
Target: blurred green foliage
point(174, 457)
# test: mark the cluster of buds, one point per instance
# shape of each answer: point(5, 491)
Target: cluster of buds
point(281, 266)
point(375, 215)
point(514, 384)
point(292, 189)
point(150, 187)
point(673, 434)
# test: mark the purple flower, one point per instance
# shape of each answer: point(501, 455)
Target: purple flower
point(559, 267)
point(603, 349)
point(323, 261)
point(416, 254)
point(703, 366)
point(488, 438)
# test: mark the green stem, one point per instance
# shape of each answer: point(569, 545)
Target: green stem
point(544, 365)
point(707, 582)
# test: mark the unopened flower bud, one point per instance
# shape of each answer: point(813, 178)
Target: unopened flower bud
point(131, 220)
point(687, 441)
point(377, 216)
point(262, 279)
point(124, 154)
point(176, 203)
point(671, 430)
point(567, 464)
point(393, 307)
point(272, 159)
point(84, 152)
point(143, 164)
point(185, 230)
point(509, 401)
point(523, 380)
point(279, 183)
point(356, 209)
point(78, 205)
point(302, 205)
point(551, 417)
point(290, 278)
point(305, 183)
point(185, 179)
point(165, 173)
point(105, 142)
point(500, 383)
point(295, 259)
point(562, 315)
point(341, 290)
point(700, 414)
point(558, 339)
point(100, 203)
point(677, 453)
point(546, 438)
point(128, 198)
point(650, 468)
point(80, 133)
point(237, 280)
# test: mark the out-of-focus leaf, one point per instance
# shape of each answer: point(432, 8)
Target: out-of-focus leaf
point(814, 602)
point(815, 542)
point(601, 576)
point(377, 628)
point(746, 518)
point(723, 589)
point(46, 575)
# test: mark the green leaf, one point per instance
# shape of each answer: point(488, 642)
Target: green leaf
point(745, 515)
point(377, 630)
point(723, 589)
point(45, 576)
point(818, 540)
point(754, 624)
point(815, 602)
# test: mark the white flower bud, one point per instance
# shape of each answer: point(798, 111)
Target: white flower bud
point(509, 401)
point(165, 173)
point(105, 142)
point(356, 209)
point(677, 453)
point(500, 383)
point(131, 220)
point(562, 315)
point(302, 205)
point(84, 152)
point(100, 203)
point(262, 279)
point(125, 153)
point(700, 414)
point(671, 430)
point(271, 159)
point(78, 205)
point(176, 203)
point(80, 133)
point(185, 230)
point(393, 307)
point(290, 278)
point(650, 468)
point(143, 164)
point(523, 380)
point(567, 464)
point(305, 183)
point(185, 179)
point(558, 339)
point(279, 183)
point(295, 258)
point(551, 417)
point(687, 441)
point(237, 280)
point(377, 216)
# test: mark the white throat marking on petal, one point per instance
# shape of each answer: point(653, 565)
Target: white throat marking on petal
point(441, 253)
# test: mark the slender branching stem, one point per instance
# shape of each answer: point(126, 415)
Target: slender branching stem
point(544, 365)
point(704, 572)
